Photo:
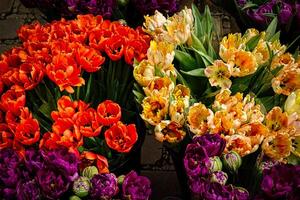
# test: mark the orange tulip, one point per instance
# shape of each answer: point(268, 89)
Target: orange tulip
point(12, 100)
point(28, 131)
point(87, 123)
point(6, 136)
point(89, 59)
point(121, 137)
point(109, 112)
point(64, 72)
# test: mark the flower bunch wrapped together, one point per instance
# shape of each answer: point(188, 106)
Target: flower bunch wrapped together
point(204, 169)
point(207, 101)
point(244, 127)
point(262, 12)
point(157, 75)
point(75, 120)
point(63, 49)
point(69, 86)
point(51, 174)
point(41, 174)
point(129, 10)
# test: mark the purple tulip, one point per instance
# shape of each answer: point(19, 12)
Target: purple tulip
point(9, 167)
point(241, 3)
point(217, 191)
point(136, 187)
point(33, 160)
point(241, 193)
point(281, 181)
point(259, 15)
point(104, 186)
point(286, 12)
point(28, 190)
point(52, 183)
point(212, 143)
point(9, 194)
point(149, 6)
point(63, 161)
point(198, 186)
point(196, 161)
point(298, 14)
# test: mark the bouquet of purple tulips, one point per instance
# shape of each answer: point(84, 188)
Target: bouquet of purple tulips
point(259, 14)
point(56, 174)
point(130, 10)
point(214, 174)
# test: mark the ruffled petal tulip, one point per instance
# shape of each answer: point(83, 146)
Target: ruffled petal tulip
point(160, 86)
point(136, 187)
point(121, 137)
point(197, 118)
point(108, 112)
point(64, 72)
point(144, 73)
point(218, 74)
point(169, 131)
point(155, 108)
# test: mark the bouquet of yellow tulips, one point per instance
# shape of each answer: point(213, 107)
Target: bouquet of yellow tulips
point(247, 93)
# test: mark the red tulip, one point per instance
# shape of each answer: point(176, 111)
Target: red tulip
point(121, 137)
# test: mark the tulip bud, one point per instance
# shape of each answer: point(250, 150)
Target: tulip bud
point(81, 186)
point(216, 164)
point(89, 172)
point(292, 103)
point(232, 161)
point(266, 165)
point(74, 197)
point(123, 2)
point(121, 179)
point(219, 177)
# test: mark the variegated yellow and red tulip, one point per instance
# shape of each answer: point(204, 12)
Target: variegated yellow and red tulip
point(198, 117)
point(160, 86)
point(144, 73)
point(169, 131)
point(219, 74)
point(155, 109)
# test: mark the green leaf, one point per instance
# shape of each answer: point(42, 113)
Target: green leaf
point(45, 110)
point(271, 30)
point(275, 37)
point(211, 51)
point(252, 43)
point(196, 72)
point(88, 86)
point(197, 44)
point(186, 60)
point(293, 159)
point(206, 58)
point(207, 21)
point(158, 72)
point(181, 79)
point(294, 41)
point(249, 5)
point(276, 70)
point(139, 97)
point(271, 15)
point(197, 18)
